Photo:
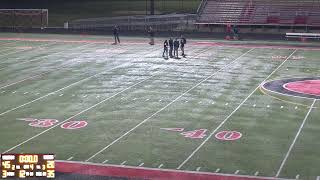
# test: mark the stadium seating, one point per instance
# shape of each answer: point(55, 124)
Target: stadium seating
point(261, 12)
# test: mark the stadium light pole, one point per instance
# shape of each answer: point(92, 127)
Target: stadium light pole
point(151, 7)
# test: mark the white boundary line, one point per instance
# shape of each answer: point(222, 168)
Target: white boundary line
point(42, 57)
point(30, 50)
point(51, 93)
point(295, 139)
point(83, 111)
point(173, 170)
point(234, 111)
point(160, 110)
point(70, 85)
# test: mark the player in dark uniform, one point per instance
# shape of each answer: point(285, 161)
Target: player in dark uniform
point(171, 47)
point(165, 49)
point(116, 34)
point(183, 41)
point(176, 45)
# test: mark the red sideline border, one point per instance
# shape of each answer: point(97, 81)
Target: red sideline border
point(94, 169)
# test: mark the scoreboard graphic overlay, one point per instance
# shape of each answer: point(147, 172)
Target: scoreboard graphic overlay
point(27, 165)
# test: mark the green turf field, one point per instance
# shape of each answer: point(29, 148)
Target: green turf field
point(128, 93)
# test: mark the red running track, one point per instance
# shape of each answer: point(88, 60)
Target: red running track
point(143, 173)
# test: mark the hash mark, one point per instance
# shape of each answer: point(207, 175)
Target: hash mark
point(160, 165)
point(297, 176)
point(61, 95)
point(141, 164)
point(147, 99)
point(123, 163)
point(26, 93)
point(237, 172)
point(14, 92)
point(227, 104)
point(254, 105)
point(281, 107)
point(217, 170)
point(198, 169)
point(85, 96)
point(134, 99)
point(105, 161)
point(70, 158)
point(256, 173)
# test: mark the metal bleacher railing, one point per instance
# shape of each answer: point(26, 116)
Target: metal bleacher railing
point(261, 12)
point(163, 22)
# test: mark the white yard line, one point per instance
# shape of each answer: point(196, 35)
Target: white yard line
point(26, 49)
point(55, 53)
point(51, 93)
point(295, 139)
point(228, 117)
point(165, 107)
point(34, 76)
point(141, 164)
point(83, 111)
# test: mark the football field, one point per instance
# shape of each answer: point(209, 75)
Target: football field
point(219, 110)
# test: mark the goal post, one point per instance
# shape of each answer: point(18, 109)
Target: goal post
point(24, 18)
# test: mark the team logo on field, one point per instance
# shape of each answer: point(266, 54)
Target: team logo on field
point(46, 123)
point(228, 135)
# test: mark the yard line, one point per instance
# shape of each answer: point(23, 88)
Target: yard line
point(83, 111)
point(26, 49)
point(228, 117)
point(217, 170)
point(141, 164)
point(160, 110)
point(123, 162)
point(105, 161)
point(70, 158)
point(295, 139)
point(49, 94)
point(55, 53)
point(198, 169)
point(160, 166)
point(37, 75)
point(237, 172)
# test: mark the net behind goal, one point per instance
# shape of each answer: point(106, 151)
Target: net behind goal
point(24, 18)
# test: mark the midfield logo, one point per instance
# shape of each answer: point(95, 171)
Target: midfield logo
point(46, 123)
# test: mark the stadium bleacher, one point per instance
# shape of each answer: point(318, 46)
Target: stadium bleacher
point(261, 12)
